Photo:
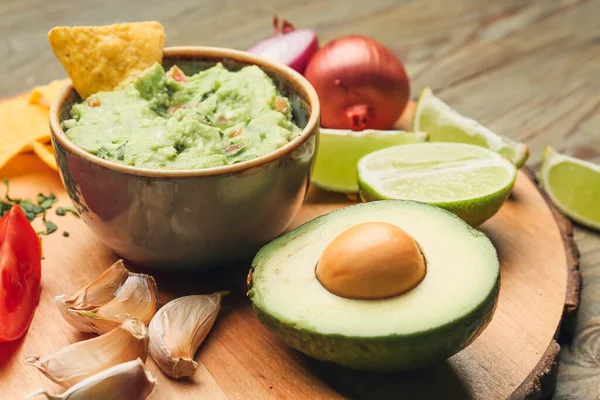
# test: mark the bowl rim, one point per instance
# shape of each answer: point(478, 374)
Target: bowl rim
point(199, 51)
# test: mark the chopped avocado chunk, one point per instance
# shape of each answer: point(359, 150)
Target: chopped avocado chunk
point(151, 83)
point(434, 320)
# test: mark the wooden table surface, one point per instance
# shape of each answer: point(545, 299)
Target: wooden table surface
point(529, 70)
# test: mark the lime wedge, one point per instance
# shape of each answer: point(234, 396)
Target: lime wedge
point(468, 180)
point(443, 124)
point(339, 151)
point(573, 185)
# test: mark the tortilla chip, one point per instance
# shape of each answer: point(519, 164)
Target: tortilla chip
point(44, 95)
point(46, 153)
point(99, 58)
point(20, 124)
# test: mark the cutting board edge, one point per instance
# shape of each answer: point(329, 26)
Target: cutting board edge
point(540, 383)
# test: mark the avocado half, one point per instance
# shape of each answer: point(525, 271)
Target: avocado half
point(435, 320)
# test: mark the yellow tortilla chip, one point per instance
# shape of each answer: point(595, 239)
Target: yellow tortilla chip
point(44, 95)
point(20, 124)
point(46, 153)
point(99, 58)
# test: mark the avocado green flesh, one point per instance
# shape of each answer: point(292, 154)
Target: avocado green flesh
point(438, 318)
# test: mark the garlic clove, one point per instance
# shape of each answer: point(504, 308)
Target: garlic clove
point(113, 297)
point(78, 361)
point(93, 323)
point(73, 316)
point(179, 328)
point(127, 381)
point(138, 297)
point(102, 289)
point(93, 295)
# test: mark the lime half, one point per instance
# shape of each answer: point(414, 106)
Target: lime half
point(468, 180)
point(573, 185)
point(340, 150)
point(443, 124)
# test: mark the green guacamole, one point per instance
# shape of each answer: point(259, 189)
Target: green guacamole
point(172, 121)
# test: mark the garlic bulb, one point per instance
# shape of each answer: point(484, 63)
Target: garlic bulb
point(127, 381)
point(78, 361)
point(179, 328)
point(109, 300)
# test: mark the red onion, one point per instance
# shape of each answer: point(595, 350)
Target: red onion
point(288, 45)
point(361, 84)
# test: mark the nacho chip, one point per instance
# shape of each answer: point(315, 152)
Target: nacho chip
point(46, 153)
point(20, 124)
point(44, 95)
point(99, 58)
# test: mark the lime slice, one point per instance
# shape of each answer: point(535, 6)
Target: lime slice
point(443, 124)
point(339, 151)
point(468, 180)
point(573, 185)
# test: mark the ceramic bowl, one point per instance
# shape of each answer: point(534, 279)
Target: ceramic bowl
point(193, 219)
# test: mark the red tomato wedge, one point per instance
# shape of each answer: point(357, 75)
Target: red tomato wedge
point(20, 274)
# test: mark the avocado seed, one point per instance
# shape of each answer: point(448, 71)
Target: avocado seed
point(371, 261)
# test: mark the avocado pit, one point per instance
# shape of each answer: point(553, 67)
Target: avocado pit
point(371, 261)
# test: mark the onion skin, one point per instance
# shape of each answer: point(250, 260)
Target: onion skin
point(361, 84)
point(300, 63)
point(288, 45)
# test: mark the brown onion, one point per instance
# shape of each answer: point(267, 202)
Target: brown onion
point(360, 82)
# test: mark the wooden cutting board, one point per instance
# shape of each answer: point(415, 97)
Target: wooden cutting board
point(514, 357)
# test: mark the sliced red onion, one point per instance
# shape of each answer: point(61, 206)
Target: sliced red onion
point(294, 48)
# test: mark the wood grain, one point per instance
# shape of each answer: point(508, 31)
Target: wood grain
point(528, 70)
point(241, 360)
point(574, 282)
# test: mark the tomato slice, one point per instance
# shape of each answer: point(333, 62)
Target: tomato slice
point(20, 274)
